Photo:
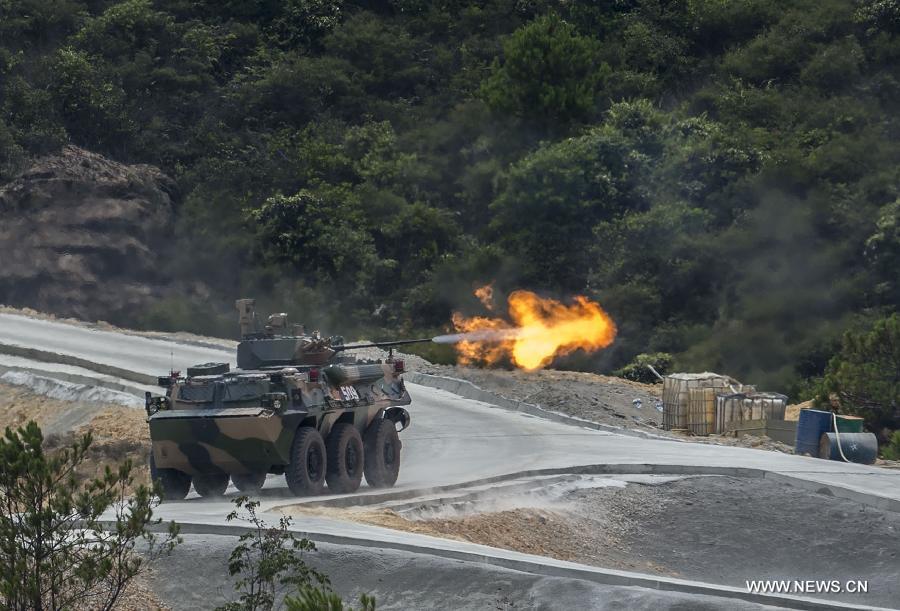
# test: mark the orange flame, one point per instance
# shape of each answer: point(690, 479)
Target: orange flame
point(539, 330)
point(485, 295)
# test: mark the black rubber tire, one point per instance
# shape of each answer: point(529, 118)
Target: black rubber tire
point(250, 483)
point(382, 446)
point(345, 459)
point(211, 485)
point(305, 474)
point(174, 484)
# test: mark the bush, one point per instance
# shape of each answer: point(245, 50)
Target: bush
point(639, 369)
point(862, 378)
point(65, 541)
point(312, 599)
point(891, 451)
point(268, 561)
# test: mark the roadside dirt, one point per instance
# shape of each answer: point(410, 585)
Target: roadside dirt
point(139, 596)
point(604, 399)
point(119, 432)
point(564, 533)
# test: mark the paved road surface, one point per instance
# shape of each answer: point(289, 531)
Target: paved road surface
point(452, 439)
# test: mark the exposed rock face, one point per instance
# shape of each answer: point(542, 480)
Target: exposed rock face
point(82, 236)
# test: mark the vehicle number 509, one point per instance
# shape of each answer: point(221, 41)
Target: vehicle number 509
point(348, 393)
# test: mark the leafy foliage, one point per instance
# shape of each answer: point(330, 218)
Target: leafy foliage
point(891, 451)
point(549, 74)
point(721, 175)
point(864, 377)
point(67, 542)
point(311, 599)
point(639, 369)
point(268, 560)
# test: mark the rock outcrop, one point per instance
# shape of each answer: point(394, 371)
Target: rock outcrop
point(83, 236)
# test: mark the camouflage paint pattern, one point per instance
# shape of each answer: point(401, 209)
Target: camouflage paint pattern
point(221, 432)
point(244, 421)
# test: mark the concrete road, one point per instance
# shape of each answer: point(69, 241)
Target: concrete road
point(452, 441)
point(132, 352)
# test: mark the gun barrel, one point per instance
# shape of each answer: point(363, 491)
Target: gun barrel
point(390, 344)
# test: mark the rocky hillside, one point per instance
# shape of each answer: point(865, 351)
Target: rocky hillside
point(84, 236)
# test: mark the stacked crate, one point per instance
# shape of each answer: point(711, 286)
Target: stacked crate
point(701, 410)
point(677, 394)
point(735, 408)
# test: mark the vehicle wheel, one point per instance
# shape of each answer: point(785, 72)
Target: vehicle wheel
point(211, 484)
point(345, 458)
point(249, 482)
point(305, 475)
point(175, 484)
point(382, 446)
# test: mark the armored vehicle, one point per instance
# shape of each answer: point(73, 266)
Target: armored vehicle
point(297, 405)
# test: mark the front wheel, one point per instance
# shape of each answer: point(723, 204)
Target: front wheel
point(211, 484)
point(174, 484)
point(249, 482)
point(382, 445)
point(305, 474)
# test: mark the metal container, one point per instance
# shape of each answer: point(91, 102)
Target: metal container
point(810, 426)
point(857, 447)
point(735, 408)
point(676, 395)
point(849, 424)
point(701, 410)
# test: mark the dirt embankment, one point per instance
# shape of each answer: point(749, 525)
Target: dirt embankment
point(82, 236)
point(119, 432)
point(604, 399)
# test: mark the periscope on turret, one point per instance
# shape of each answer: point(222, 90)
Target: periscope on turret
point(298, 404)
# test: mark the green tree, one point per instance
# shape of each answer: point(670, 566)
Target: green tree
point(320, 234)
point(864, 377)
point(66, 541)
point(267, 561)
point(549, 73)
point(302, 23)
point(883, 251)
point(551, 200)
point(90, 105)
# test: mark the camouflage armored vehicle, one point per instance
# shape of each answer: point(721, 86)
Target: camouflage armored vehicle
point(296, 405)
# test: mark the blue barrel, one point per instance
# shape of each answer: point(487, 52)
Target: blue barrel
point(812, 423)
point(857, 447)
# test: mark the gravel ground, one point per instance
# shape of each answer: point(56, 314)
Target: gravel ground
point(716, 529)
point(603, 399)
point(193, 577)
